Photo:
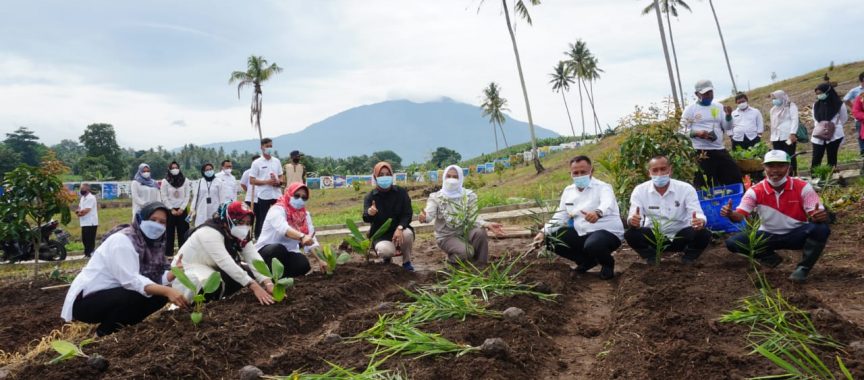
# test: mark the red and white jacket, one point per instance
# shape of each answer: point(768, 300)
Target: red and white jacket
point(784, 211)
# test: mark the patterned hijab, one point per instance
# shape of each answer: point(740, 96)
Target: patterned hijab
point(151, 253)
point(296, 217)
point(139, 177)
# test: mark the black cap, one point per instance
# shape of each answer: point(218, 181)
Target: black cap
point(296, 153)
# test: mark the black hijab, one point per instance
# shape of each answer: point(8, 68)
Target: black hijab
point(175, 180)
point(208, 179)
point(825, 110)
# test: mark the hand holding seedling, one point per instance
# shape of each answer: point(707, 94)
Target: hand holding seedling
point(819, 215)
point(636, 219)
point(590, 216)
point(176, 297)
point(262, 295)
point(538, 240)
point(307, 240)
point(697, 223)
point(373, 210)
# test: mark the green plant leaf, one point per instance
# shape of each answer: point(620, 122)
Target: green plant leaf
point(286, 282)
point(343, 258)
point(86, 342)
point(181, 276)
point(212, 283)
point(64, 348)
point(262, 268)
point(278, 292)
point(196, 317)
point(843, 368)
point(278, 268)
point(381, 230)
point(199, 298)
point(353, 228)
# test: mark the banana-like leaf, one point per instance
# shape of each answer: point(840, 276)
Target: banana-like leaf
point(262, 268)
point(354, 230)
point(181, 276)
point(278, 293)
point(196, 317)
point(381, 230)
point(343, 258)
point(278, 268)
point(286, 282)
point(212, 283)
point(86, 342)
point(64, 348)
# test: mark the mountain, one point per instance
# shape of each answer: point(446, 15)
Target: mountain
point(412, 130)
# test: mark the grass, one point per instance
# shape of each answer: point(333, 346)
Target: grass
point(395, 335)
point(20, 271)
point(497, 279)
point(453, 304)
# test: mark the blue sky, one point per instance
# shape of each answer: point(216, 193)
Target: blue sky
point(158, 70)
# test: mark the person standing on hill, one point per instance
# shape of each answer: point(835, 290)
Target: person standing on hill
point(88, 218)
point(295, 172)
point(206, 195)
point(852, 96)
point(144, 189)
point(784, 126)
point(266, 177)
point(829, 113)
point(389, 202)
point(175, 195)
point(228, 186)
point(747, 124)
point(705, 122)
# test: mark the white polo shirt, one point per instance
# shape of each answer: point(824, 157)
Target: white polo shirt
point(276, 226)
point(261, 170)
point(674, 209)
point(244, 180)
point(597, 196)
point(747, 123)
point(92, 217)
point(697, 117)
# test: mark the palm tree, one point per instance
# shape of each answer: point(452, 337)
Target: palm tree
point(522, 10)
point(671, 7)
point(257, 72)
point(561, 80)
point(722, 42)
point(494, 106)
point(578, 53)
point(666, 54)
point(591, 72)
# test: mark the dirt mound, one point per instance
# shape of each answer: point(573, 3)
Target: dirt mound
point(28, 312)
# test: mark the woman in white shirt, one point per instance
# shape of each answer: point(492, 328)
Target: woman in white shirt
point(127, 278)
point(205, 195)
point(286, 228)
point(219, 245)
point(784, 126)
point(175, 195)
point(144, 189)
point(828, 107)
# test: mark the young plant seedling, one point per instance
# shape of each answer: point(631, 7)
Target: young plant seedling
point(361, 244)
point(69, 350)
point(210, 285)
point(658, 239)
point(331, 259)
point(280, 284)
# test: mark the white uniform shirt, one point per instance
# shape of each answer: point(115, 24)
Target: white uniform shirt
point(114, 264)
point(787, 126)
point(839, 119)
point(204, 253)
point(261, 170)
point(229, 187)
point(92, 217)
point(276, 226)
point(244, 180)
point(201, 191)
point(701, 118)
point(674, 209)
point(747, 123)
point(175, 197)
point(142, 195)
point(597, 196)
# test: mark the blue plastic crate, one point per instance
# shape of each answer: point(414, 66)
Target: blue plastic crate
point(714, 200)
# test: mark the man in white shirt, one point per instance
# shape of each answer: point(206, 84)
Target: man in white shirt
point(704, 122)
point(747, 124)
point(847, 99)
point(88, 218)
point(267, 177)
point(673, 207)
point(229, 188)
point(587, 222)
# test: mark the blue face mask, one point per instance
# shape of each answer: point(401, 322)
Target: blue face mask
point(384, 182)
point(582, 181)
point(660, 180)
point(152, 230)
point(777, 102)
point(208, 173)
point(298, 203)
point(705, 101)
point(822, 96)
point(268, 151)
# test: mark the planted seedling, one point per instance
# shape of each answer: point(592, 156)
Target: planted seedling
point(280, 284)
point(331, 259)
point(68, 350)
point(658, 239)
point(362, 244)
point(210, 285)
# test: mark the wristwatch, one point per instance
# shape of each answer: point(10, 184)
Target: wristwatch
point(303, 236)
point(599, 213)
point(400, 228)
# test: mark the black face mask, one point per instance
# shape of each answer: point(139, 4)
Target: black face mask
point(83, 192)
point(296, 160)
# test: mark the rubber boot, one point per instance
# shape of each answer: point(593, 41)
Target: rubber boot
point(812, 251)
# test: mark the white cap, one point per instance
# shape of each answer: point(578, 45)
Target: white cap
point(704, 86)
point(776, 156)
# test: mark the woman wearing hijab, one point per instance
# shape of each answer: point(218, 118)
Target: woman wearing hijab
point(828, 108)
point(144, 189)
point(784, 126)
point(205, 195)
point(219, 245)
point(175, 195)
point(126, 279)
point(444, 208)
point(389, 202)
point(286, 230)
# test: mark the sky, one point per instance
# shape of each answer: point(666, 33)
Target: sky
point(158, 70)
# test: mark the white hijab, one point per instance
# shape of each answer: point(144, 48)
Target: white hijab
point(458, 193)
point(780, 113)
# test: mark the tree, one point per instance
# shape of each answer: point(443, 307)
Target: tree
point(666, 54)
point(591, 73)
point(257, 72)
point(386, 155)
point(25, 143)
point(100, 142)
point(521, 9)
point(671, 7)
point(69, 151)
point(494, 106)
point(442, 157)
point(726, 54)
point(9, 159)
point(561, 81)
point(578, 54)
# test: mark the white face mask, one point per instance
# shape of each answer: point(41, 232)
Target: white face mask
point(451, 184)
point(297, 203)
point(145, 174)
point(777, 183)
point(742, 106)
point(240, 232)
point(226, 171)
point(175, 171)
point(152, 230)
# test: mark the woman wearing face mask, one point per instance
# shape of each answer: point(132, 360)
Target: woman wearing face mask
point(829, 108)
point(389, 202)
point(127, 278)
point(286, 230)
point(144, 189)
point(784, 125)
point(175, 195)
point(443, 206)
point(219, 245)
point(205, 195)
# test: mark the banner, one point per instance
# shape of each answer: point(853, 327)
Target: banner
point(326, 182)
point(110, 191)
point(339, 181)
point(349, 180)
point(401, 177)
point(490, 167)
point(433, 176)
point(313, 183)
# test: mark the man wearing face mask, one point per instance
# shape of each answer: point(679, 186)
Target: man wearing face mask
point(674, 205)
point(791, 214)
point(88, 218)
point(295, 172)
point(747, 124)
point(389, 202)
point(266, 179)
point(206, 195)
point(705, 122)
point(587, 221)
point(229, 185)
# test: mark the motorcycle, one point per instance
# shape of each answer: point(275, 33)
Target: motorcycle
point(52, 246)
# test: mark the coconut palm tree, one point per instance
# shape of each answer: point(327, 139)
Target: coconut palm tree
point(578, 53)
point(257, 72)
point(666, 54)
point(521, 9)
point(494, 106)
point(590, 73)
point(722, 42)
point(561, 81)
point(670, 7)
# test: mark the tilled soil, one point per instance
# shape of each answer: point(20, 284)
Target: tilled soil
point(28, 313)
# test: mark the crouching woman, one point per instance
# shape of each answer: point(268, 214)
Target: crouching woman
point(127, 278)
point(287, 231)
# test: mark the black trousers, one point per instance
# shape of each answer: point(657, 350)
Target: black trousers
point(295, 263)
point(820, 150)
point(746, 143)
point(260, 211)
point(718, 168)
point(790, 150)
point(593, 247)
point(688, 240)
point(88, 237)
point(175, 226)
point(115, 308)
point(228, 287)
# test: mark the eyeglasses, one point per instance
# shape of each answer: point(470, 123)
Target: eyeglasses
point(297, 196)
